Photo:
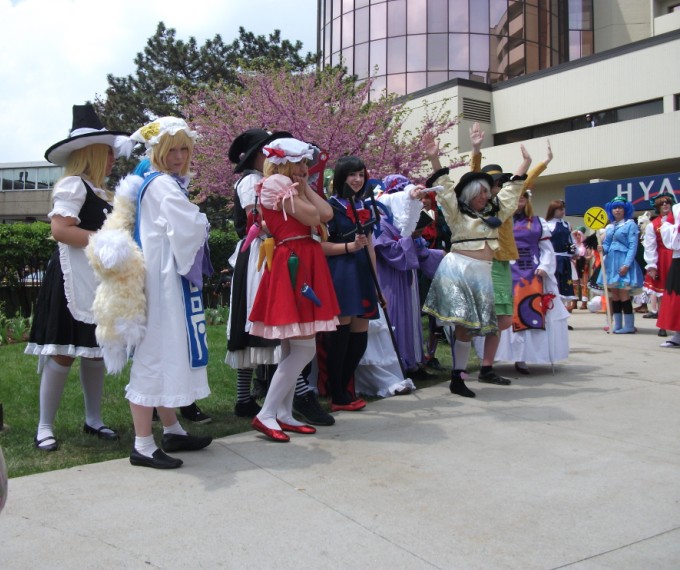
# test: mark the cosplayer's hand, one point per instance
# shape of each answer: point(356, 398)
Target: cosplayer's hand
point(623, 271)
point(417, 192)
point(476, 136)
point(360, 242)
point(541, 273)
point(302, 183)
point(525, 152)
point(652, 273)
point(550, 154)
point(431, 146)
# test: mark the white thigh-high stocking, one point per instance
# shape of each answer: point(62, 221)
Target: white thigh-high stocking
point(279, 400)
point(52, 384)
point(92, 382)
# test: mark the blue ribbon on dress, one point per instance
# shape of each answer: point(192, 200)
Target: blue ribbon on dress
point(192, 296)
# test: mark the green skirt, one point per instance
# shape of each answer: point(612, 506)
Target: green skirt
point(501, 276)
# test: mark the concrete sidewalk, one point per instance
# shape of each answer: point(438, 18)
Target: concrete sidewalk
point(580, 469)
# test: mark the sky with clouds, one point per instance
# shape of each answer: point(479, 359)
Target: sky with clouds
point(57, 53)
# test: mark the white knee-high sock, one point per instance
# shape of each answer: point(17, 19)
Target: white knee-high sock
point(461, 354)
point(92, 382)
point(295, 357)
point(52, 384)
point(146, 445)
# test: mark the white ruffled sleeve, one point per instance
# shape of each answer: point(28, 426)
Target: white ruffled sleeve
point(669, 232)
point(68, 197)
point(649, 244)
point(547, 260)
point(246, 190)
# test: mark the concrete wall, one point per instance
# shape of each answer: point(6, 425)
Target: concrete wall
point(620, 22)
point(638, 147)
point(24, 204)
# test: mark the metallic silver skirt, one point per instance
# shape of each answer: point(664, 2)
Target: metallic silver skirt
point(462, 294)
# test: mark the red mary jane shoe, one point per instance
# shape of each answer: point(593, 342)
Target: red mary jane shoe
point(296, 429)
point(275, 434)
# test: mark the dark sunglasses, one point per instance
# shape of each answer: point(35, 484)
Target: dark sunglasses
point(662, 202)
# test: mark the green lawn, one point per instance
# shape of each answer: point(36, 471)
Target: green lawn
point(19, 388)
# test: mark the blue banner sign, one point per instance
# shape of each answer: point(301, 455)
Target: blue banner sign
point(639, 191)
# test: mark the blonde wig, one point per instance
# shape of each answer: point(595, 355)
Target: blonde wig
point(167, 142)
point(90, 161)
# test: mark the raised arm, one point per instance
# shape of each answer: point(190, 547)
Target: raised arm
point(432, 151)
point(305, 192)
point(538, 169)
point(476, 140)
point(525, 164)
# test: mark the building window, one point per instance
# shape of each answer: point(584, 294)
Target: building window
point(487, 40)
point(608, 116)
point(30, 177)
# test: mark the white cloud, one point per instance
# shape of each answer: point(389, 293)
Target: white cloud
point(57, 53)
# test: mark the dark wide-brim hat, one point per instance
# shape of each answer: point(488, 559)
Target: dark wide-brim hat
point(87, 130)
point(496, 172)
point(248, 143)
point(470, 177)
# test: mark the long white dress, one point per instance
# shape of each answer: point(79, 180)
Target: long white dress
point(534, 345)
point(172, 232)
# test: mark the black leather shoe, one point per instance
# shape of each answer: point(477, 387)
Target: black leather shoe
point(248, 409)
point(158, 460)
point(434, 364)
point(419, 374)
point(194, 414)
point(188, 442)
point(662, 332)
point(308, 407)
point(492, 378)
point(43, 446)
point(458, 386)
point(108, 435)
point(522, 369)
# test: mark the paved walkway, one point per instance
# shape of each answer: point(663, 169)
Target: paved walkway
point(579, 470)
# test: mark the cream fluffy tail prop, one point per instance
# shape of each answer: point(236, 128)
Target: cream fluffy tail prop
point(120, 301)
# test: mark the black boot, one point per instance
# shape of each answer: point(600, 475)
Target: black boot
point(457, 385)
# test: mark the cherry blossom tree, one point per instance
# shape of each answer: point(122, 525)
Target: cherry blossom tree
point(326, 108)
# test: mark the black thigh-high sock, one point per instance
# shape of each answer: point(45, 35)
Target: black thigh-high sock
point(336, 352)
point(616, 307)
point(355, 351)
point(627, 307)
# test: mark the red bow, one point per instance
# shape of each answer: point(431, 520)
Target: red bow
point(274, 151)
point(364, 215)
point(547, 302)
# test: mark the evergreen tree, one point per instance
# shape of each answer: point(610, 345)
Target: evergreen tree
point(169, 69)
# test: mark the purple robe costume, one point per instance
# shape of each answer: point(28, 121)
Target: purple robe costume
point(397, 259)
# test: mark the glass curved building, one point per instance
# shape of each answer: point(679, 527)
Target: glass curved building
point(410, 45)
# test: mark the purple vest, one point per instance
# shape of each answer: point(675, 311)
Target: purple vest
point(527, 237)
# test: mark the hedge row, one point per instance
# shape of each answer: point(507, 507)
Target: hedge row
point(25, 250)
